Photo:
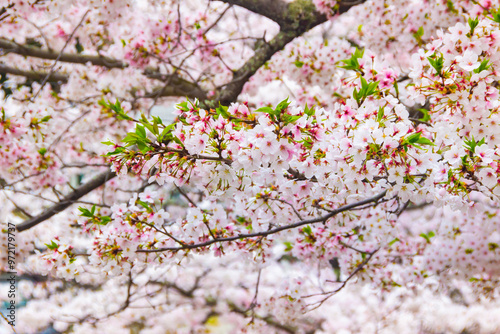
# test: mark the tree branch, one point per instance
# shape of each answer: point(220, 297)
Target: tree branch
point(33, 75)
point(272, 9)
point(321, 219)
point(294, 18)
point(9, 46)
point(67, 201)
point(176, 87)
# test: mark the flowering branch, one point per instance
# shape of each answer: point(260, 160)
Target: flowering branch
point(321, 219)
point(67, 201)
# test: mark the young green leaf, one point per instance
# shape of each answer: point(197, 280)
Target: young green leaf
point(436, 63)
point(52, 245)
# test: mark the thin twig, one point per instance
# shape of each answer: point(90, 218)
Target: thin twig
point(60, 54)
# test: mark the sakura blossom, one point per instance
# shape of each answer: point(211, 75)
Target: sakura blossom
point(250, 166)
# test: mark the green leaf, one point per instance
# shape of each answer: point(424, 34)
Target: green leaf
point(222, 110)
point(418, 35)
point(309, 111)
point(117, 151)
point(145, 205)
point(352, 63)
point(267, 110)
point(424, 141)
point(157, 120)
point(427, 236)
point(52, 245)
point(151, 127)
point(307, 230)
point(42, 151)
point(298, 63)
point(85, 212)
point(289, 246)
point(393, 242)
point(131, 139)
point(420, 31)
point(291, 119)
point(104, 220)
point(183, 106)
point(45, 119)
point(380, 114)
point(141, 132)
point(117, 108)
point(166, 134)
point(483, 66)
point(437, 63)
point(366, 90)
point(471, 144)
point(415, 138)
point(495, 15)
point(451, 6)
point(281, 106)
point(426, 116)
point(472, 24)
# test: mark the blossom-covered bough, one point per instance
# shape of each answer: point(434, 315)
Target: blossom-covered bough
point(331, 167)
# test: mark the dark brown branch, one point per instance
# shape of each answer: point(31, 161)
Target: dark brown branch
point(176, 86)
point(294, 18)
point(321, 219)
point(33, 75)
point(9, 46)
point(272, 9)
point(3, 10)
point(67, 200)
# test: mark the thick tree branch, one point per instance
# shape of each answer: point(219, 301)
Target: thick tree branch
point(67, 201)
point(33, 75)
point(176, 86)
point(11, 47)
point(294, 18)
point(272, 9)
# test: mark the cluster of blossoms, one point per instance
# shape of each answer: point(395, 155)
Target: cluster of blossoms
point(259, 215)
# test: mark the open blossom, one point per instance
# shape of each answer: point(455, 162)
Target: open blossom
point(160, 216)
point(468, 61)
point(485, 153)
point(148, 196)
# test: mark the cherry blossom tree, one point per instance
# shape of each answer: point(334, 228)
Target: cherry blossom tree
point(251, 166)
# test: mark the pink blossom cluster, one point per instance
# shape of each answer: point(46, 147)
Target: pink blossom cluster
point(367, 201)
